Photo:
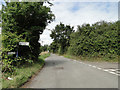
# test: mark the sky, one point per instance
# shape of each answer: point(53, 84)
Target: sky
point(78, 12)
point(0, 9)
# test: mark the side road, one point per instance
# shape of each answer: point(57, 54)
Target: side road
point(112, 67)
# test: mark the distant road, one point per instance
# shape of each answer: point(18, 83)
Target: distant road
point(60, 72)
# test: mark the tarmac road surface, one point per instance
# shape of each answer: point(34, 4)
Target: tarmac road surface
point(60, 72)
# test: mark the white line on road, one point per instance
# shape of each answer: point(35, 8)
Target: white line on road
point(113, 73)
point(105, 70)
point(90, 65)
point(99, 68)
point(94, 66)
point(112, 69)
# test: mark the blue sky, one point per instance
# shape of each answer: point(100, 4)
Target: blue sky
point(107, 5)
point(75, 7)
point(78, 13)
point(2, 2)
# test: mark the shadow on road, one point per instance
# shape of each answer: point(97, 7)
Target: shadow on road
point(49, 63)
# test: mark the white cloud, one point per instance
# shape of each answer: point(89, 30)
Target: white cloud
point(87, 13)
point(0, 7)
point(85, 0)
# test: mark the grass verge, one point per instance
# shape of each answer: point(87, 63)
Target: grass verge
point(92, 59)
point(23, 74)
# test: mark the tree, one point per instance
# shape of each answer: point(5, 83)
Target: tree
point(23, 22)
point(98, 40)
point(44, 48)
point(54, 47)
point(61, 36)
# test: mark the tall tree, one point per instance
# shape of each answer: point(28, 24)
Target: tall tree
point(24, 22)
point(97, 40)
point(61, 36)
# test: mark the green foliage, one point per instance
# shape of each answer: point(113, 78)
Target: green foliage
point(61, 36)
point(23, 74)
point(98, 40)
point(0, 40)
point(44, 56)
point(0, 45)
point(54, 47)
point(44, 48)
point(23, 22)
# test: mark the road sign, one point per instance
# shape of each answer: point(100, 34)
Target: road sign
point(11, 53)
point(24, 43)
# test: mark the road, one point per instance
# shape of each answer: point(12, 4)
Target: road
point(60, 72)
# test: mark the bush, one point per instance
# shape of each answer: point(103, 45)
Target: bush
point(98, 40)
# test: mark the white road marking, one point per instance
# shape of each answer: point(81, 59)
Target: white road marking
point(94, 66)
point(112, 71)
point(99, 68)
point(105, 70)
point(90, 65)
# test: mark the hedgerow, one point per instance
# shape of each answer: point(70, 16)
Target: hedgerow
point(97, 40)
point(22, 22)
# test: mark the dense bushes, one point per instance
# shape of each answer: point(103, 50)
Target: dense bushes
point(23, 22)
point(44, 48)
point(54, 47)
point(96, 40)
point(61, 36)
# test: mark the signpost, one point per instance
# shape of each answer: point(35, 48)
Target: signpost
point(9, 53)
point(24, 43)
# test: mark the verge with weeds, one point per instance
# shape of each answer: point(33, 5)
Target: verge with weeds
point(22, 74)
point(92, 59)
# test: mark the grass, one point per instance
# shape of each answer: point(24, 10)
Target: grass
point(44, 56)
point(23, 74)
point(92, 59)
